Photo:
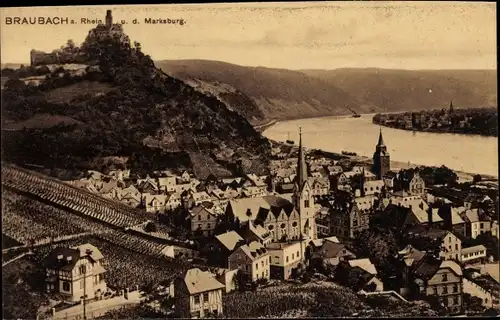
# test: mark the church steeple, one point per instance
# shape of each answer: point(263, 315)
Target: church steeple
point(301, 164)
point(381, 158)
point(451, 106)
point(380, 139)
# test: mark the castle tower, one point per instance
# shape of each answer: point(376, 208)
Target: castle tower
point(381, 158)
point(109, 19)
point(303, 198)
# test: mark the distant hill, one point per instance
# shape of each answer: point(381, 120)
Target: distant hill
point(278, 93)
point(286, 94)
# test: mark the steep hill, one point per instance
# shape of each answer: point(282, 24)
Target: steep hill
point(278, 93)
point(284, 94)
point(121, 105)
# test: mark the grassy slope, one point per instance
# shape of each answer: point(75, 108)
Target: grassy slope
point(285, 94)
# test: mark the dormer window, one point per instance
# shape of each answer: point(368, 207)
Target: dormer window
point(445, 277)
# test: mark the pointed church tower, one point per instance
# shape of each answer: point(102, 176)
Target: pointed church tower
point(303, 198)
point(381, 158)
point(451, 106)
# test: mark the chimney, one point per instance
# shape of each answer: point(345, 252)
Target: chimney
point(429, 216)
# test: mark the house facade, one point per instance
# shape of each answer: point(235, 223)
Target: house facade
point(75, 272)
point(284, 257)
point(252, 259)
point(198, 294)
point(442, 279)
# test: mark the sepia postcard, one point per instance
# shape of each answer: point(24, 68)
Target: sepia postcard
point(250, 160)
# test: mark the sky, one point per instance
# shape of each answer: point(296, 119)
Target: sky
point(323, 35)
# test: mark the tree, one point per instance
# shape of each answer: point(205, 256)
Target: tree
point(150, 227)
point(473, 303)
point(243, 280)
point(477, 178)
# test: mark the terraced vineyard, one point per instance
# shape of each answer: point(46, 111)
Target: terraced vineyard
point(71, 198)
point(29, 221)
point(126, 266)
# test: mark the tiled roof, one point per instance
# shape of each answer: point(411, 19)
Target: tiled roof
point(364, 264)
point(331, 249)
point(427, 267)
point(249, 208)
point(198, 281)
point(229, 239)
point(254, 250)
point(95, 254)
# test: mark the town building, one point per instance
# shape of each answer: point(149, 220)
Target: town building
point(442, 279)
point(203, 220)
point(332, 253)
point(75, 272)
point(198, 294)
point(477, 222)
point(381, 159)
point(444, 243)
point(252, 259)
point(284, 257)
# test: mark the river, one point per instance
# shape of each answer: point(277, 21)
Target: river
point(466, 153)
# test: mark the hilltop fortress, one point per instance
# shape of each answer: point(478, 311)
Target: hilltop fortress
point(73, 54)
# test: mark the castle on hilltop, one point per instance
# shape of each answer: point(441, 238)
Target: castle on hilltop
point(109, 29)
point(100, 32)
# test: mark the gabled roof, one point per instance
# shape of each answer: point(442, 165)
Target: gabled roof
point(249, 208)
point(254, 250)
point(331, 249)
point(427, 267)
point(198, 281)
point(364, 264)
point(84, 249)
point(229, 239)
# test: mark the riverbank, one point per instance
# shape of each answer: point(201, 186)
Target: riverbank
point(435, 130)
point(401, 165)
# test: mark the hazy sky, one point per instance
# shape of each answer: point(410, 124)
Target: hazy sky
point(403, 35)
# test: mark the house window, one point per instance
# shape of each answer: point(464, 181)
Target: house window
point(354, 223)
point(293, 256)
point(205, 297)
point(262, 263)
point(435, 290)
point(445, 289)
point(270, 261)
point(287, 259)
point(66, 286)
point(445, 277)
point(196, 299)
point(256, 266)
point(456, 246)
point(199, 218)
point(298, 254)
point(208, 225)
point(455, 300)
point(82, 269)
point(246, 267)
point(306, 203)
point(455, 288)
point(481, 225)
point(206, 312)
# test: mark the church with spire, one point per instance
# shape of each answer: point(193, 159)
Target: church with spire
point(303, 198)
point(283, 219)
